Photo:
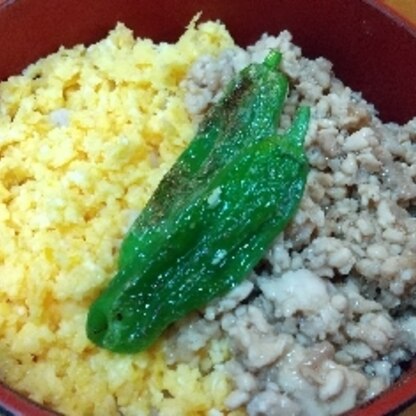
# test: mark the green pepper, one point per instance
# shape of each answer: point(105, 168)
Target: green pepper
point(248, 111)
point(213, 215)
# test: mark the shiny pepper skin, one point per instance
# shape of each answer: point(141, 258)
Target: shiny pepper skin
point(224, 201)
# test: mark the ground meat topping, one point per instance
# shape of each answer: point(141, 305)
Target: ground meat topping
point(328, 317)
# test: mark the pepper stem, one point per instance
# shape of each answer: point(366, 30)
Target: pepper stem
point(273, 59)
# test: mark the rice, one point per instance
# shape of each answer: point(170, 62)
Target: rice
point(323, 323)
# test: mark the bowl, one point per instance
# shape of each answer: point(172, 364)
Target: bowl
point(372, 47)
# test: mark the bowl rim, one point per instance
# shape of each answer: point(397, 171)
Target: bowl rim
point(393, 398)
point(392, 13)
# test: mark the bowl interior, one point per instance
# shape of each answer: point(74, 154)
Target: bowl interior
point(372, 51)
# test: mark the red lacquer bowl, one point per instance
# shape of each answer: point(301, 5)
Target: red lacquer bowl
point(373, 49)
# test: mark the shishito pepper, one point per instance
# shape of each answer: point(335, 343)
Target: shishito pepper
point(213, 215)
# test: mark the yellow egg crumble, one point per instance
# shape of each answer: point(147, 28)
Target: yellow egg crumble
point(86, 134)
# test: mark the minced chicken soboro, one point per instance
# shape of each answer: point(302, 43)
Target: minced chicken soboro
point(322, 324)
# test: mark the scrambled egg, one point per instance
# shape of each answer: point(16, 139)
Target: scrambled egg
point(86, 134)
